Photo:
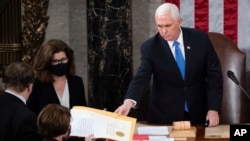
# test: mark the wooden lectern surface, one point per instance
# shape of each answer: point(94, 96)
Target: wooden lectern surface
point(200, 134)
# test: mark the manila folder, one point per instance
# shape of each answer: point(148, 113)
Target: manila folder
point(102, 124)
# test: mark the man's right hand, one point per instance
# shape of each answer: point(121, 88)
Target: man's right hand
point(125, 107)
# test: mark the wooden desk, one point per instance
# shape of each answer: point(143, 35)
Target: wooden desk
point(200, 135)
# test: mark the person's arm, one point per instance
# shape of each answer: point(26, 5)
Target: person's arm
point(125, 107)
point(215, 83)
point(27, 131)
point(140, 82)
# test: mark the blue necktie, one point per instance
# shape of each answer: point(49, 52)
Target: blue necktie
point(179, 59)
point(181, 64)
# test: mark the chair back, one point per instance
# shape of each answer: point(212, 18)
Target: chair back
point(234, 107)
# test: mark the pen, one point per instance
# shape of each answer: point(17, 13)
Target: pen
point(207, 123)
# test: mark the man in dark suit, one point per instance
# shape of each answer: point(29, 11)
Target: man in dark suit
point(17, 122)
point(195, 95)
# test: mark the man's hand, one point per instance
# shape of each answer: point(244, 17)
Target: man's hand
point(90, 138)
point(125, 107)
point(213, 118)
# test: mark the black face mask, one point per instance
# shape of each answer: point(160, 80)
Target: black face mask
point(59, 69)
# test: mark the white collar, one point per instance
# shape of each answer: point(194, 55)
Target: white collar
point(16, 95)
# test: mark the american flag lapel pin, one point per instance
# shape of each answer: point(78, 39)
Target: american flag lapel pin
point(188, 47)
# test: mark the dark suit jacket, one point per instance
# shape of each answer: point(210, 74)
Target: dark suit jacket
point(44, 93)
point(17, 122)
point(202, 87)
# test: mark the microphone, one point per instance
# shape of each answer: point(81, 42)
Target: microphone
point(231, 75)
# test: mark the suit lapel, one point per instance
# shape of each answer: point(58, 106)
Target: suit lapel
point(188, 49)
point(71, 90)
point(172, 62)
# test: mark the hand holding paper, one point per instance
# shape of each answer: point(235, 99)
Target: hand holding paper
point(102, 124)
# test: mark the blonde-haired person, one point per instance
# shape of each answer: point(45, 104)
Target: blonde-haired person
point(56, 81)
point(54, 123)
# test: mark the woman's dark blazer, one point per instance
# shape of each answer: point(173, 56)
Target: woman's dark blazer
point(17, 122)
point(201, 89)
point(44, 93)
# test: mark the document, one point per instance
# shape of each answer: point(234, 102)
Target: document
point(144, 137)
point(153, 130)
point(160, 138)
point(220, 131)
point(102, 124)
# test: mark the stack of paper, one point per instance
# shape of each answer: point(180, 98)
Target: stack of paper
point(154, 133)
point(102, 124)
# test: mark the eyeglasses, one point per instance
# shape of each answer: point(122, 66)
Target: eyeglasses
point(63, 60)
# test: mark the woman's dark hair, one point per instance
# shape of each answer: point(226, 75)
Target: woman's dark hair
point(44, 57)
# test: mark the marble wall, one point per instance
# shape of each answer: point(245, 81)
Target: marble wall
point(109, 52)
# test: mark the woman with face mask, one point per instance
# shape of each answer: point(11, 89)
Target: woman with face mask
point(56, 81)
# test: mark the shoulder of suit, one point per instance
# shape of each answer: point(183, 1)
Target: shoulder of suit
point(188, 30)
point(152, 40)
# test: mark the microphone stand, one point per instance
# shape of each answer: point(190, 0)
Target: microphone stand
point(244, 91)
point(231, 75)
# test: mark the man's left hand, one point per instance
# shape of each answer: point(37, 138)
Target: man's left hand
point(213, 118)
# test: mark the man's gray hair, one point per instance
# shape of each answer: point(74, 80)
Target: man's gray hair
point(166, 8)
